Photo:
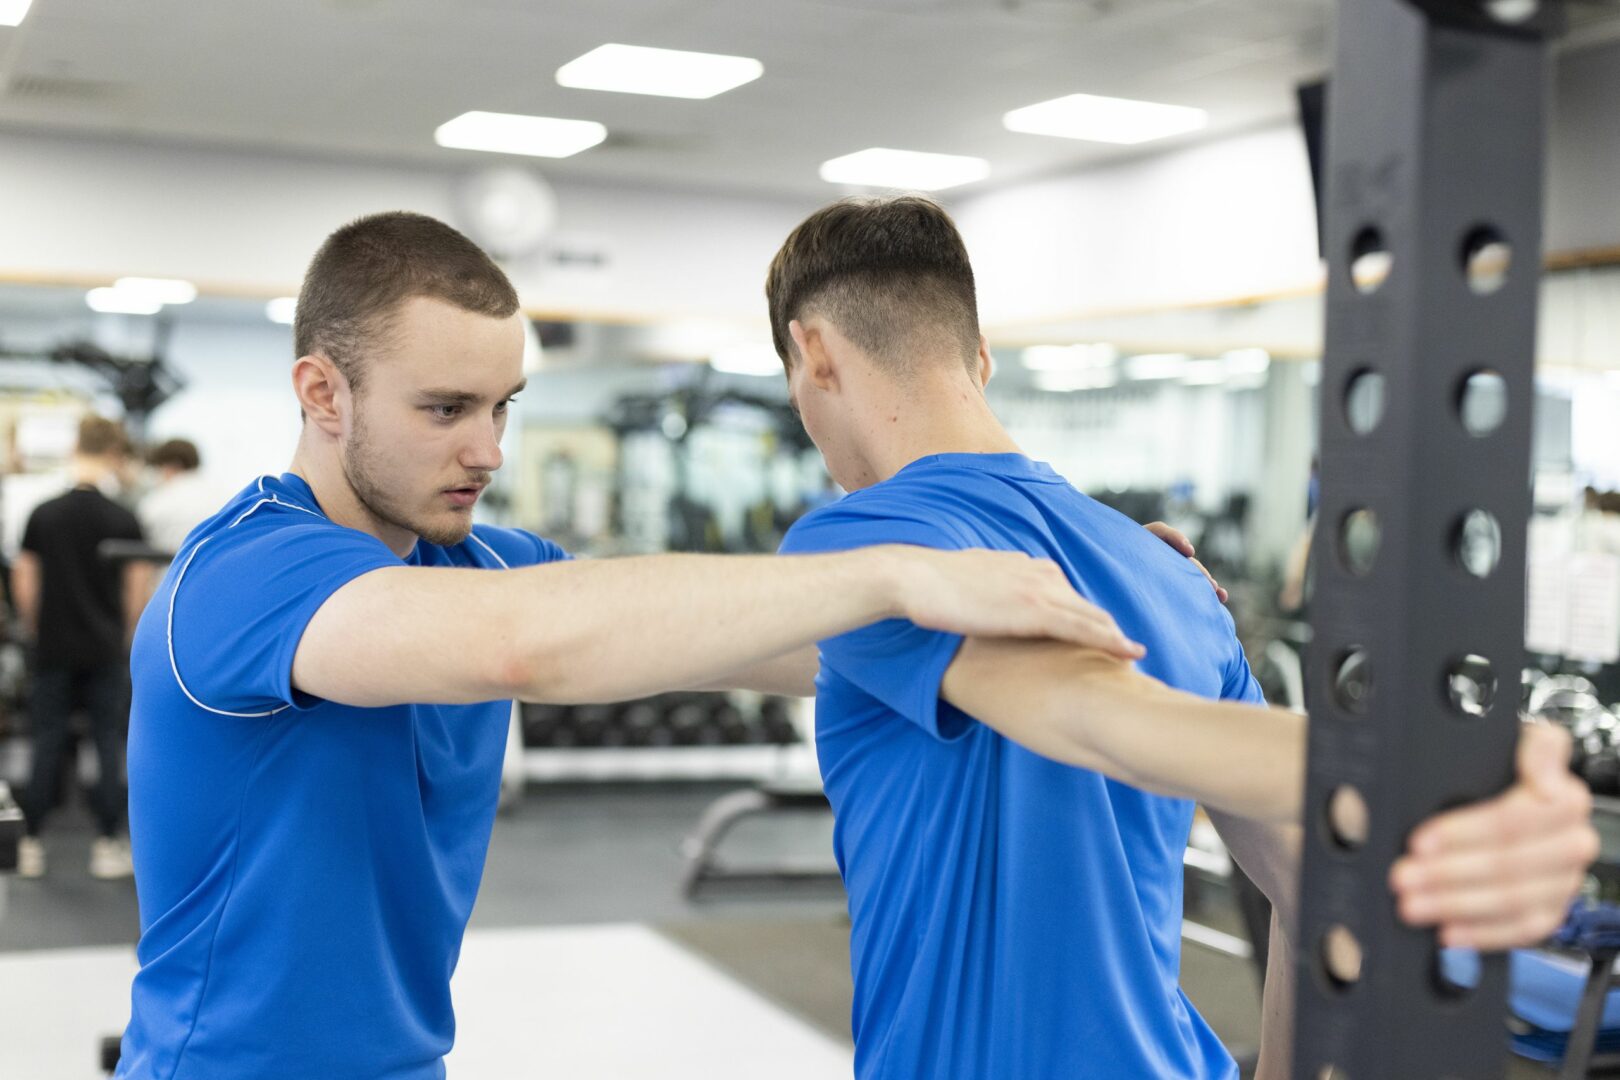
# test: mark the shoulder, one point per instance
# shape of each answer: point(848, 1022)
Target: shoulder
point(510, 548)
point(892, 512)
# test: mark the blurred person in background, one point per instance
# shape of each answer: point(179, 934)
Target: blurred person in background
point(180, 500)
point(79, 610)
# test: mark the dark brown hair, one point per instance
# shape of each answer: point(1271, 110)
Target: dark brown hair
point(178, 453)
point(100, 437)
point(365, 270)
point(891, 273)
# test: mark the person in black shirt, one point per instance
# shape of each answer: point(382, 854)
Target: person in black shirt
point(81, 610)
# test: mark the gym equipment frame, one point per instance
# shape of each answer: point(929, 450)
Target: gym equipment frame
point(1433, 238)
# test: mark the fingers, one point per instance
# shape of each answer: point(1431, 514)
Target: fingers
point(1174, 537)
point(1543, 760)
point(1501, 873)
point(1219, 592)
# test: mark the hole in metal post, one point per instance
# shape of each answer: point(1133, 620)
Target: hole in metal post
point(1471, 685)
point(1479, 543)
point(1341, 956)
point(1370, 260)
point(1486, 259)
point(1359, 538)
point(1482, 404)
point(1512, 12)
point(1347, 817)
point(1352, 681)
point(1364, 401)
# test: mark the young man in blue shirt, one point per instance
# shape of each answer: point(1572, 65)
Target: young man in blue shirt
point(322, 682)
point(1011, 816)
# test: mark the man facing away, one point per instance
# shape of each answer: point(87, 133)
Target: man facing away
point(322, 682)
point(1011, 816)
point(182, 497)
point(80, 610)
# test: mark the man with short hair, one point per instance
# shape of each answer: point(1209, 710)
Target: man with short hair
point(80, 609)
point(180, 500)
point(323, 678)
point(1011, 816)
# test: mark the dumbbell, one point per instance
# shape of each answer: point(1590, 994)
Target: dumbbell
point(777, 722)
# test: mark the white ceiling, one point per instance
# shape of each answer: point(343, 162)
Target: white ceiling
point(373, 78)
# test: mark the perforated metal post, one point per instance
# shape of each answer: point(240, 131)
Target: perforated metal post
point(1435, 129)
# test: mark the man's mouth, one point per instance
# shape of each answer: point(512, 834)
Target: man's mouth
point(465, 495)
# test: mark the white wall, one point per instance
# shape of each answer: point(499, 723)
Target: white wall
point(242, 223)
point(1236, 217)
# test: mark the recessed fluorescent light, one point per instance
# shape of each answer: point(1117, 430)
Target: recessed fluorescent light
point(281, 310)
point(747, 358)
point(1068, 357)
point(110, 301)
point(1204, 373)
point(1157, 366)
point(1105, 119)
point(509, 133)
point(635, 69)
point(163, 290)
point(908, 169)
point(1247, 361)
point(12, 12)
point(1062, 382)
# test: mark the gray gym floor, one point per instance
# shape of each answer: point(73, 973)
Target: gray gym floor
point(569, 856)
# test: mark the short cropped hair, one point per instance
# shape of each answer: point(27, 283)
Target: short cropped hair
point(174, 453)
point(891, 273)
point(366, 269)
point(100, 437)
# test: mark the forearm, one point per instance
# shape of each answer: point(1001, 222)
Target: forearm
point(1087, 709)
point(1277, 1006)
point(639, 626)
point(792, 674)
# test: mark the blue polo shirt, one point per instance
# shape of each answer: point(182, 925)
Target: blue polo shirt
point(305, 869)
point(1012, 918)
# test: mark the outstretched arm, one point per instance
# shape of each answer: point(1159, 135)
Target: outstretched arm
point(1083, 708)
point(621, 628)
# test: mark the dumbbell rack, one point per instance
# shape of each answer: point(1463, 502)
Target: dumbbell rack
point(11, 833)
point(684, 736)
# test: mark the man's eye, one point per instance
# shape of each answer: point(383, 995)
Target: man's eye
point(501, 407)
point(445, 412)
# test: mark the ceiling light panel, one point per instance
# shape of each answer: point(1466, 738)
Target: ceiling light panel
point(1105, 119)
point(510, 133)
point(908, 170)
point(636, 69)
point(12, 12)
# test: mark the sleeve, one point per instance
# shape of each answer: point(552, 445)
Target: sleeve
point(239, 605)
point(1239, 683)
point(31, 540)
point(896, 662)
point(130, 527)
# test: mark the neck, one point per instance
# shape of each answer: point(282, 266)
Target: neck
point(89, 471)
point(317, 463)
point(939, 414)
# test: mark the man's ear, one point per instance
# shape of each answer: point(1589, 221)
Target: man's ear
point(323, 392)
point(820, 366)
point(987, 363)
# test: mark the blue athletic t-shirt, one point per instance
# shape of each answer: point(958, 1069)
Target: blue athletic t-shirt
point(305, 869)
point(1012, 918)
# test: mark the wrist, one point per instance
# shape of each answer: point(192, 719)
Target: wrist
point(891, 573)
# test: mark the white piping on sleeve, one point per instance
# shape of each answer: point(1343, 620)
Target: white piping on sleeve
point(493, 553)
point(181, 577)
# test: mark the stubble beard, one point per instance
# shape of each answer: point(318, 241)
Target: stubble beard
point(361, 467)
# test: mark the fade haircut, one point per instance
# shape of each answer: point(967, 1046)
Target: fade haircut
point(892, 274)
point(368, 268)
